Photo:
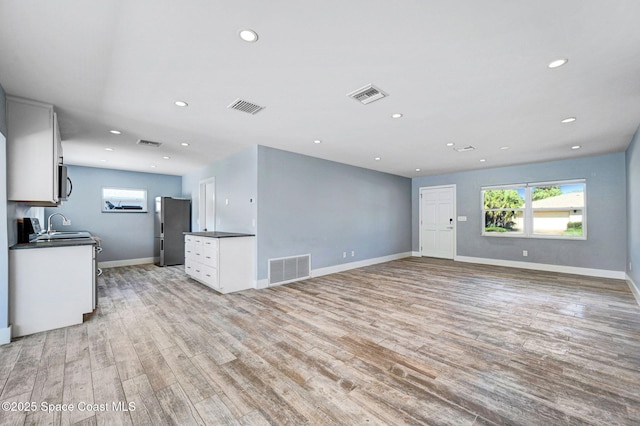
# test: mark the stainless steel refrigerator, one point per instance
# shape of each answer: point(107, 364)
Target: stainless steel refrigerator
point(172, 218)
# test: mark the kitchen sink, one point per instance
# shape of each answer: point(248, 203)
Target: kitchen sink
point(64, 235)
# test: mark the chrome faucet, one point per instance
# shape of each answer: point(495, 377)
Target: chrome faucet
point(49, 230)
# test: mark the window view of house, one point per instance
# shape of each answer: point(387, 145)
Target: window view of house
point(558, 209)
point(555, 209)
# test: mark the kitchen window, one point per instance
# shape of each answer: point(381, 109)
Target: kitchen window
point(122, 200)
point(536, 210)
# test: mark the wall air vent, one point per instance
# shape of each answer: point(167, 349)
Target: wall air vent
point(367, 94)
point(148, 143)
point(288, 269)
point(465, 149)
point(244, 106)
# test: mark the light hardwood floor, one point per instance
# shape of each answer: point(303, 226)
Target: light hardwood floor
point(414, 341)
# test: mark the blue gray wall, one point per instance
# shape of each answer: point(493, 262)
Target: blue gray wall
point(309, 205)
point(306, 205)
point(633, 208)
point(4, 241)
point(236, 180)
point(124, 236)
point(605, 247)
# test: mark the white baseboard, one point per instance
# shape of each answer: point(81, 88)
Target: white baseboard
point(261, 284)
point(600, 273)
point(416, 254)
point(126, 262)
point(359, 264)
point(5, 335)
point(634, 289)
point(264, 283)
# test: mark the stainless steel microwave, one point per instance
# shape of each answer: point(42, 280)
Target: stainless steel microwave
point(64, 183)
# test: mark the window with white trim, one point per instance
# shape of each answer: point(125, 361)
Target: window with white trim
point(536, 210)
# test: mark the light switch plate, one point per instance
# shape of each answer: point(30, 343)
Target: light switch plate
point(462, 218)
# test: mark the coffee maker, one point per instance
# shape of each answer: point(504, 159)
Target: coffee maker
point(28, 229)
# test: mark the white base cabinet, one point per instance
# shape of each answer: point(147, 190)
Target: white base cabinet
point(223, 264)
point(49, 287)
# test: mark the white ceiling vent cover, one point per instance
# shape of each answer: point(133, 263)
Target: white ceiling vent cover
point(367, 94)
point(245, 106)
point(288, 269)
point(148, 143)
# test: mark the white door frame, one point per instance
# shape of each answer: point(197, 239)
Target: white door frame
point(455, 217)
point(202, 205)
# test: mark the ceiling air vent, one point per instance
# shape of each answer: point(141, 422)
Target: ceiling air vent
point(244, 106)
point(148, 143)
point(465, 149)
point(367, 94)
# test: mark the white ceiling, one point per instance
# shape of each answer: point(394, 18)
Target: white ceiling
point(468, 72)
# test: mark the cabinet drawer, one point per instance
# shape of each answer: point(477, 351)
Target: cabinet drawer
point(193, 239)
point(190, 267)
point(210, 252)
point(210, 243)
point(209, 258)
point(189, 250)
point(209, 276)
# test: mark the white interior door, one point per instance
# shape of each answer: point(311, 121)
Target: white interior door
point(207, 213)
point(437, 221)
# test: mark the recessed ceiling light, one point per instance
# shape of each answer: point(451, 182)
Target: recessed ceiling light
point(104, 161)
point(557, 63)
point(317, 141)
point(450, 144)
point(181, 103)
point(504, 148)
point(108, 149)
point(184, 144)
point(153, 166)
point(165, 157)
point(568, 120)
point(417, 170)
point(482, 160)
point(377, 158)
point(576, 147)
point(396, 115)
point(249, 36)
point(115, 132)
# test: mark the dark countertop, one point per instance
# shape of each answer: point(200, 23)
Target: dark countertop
point(219, 234)
point(55, 243)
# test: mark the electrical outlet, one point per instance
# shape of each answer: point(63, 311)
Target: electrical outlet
point(66, 222)
point(525, 253)
point(353, 253)
point(344, 254)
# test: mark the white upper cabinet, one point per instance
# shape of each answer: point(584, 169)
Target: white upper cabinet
point(34, 152)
